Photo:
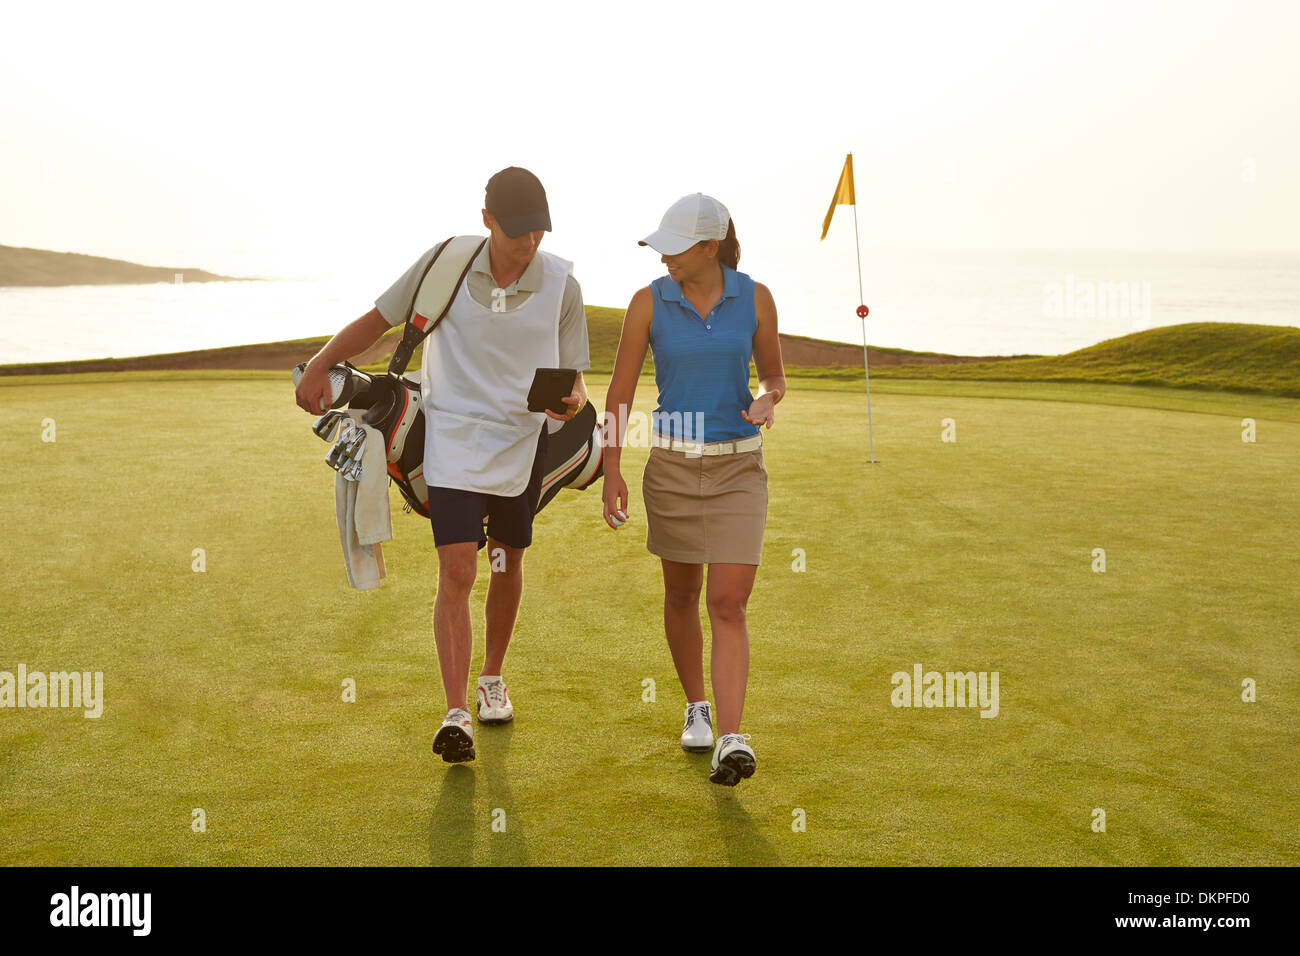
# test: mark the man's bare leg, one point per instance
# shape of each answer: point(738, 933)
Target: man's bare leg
point(505, 589)
point(457, 567)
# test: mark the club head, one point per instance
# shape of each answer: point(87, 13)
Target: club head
point(355, 444)
point(334, 458)
point(325, 425)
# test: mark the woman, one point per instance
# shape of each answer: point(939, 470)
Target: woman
point(704, 487)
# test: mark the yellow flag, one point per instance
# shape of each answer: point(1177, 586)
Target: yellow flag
point(843, 193)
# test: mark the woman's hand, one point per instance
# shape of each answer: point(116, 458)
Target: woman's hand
point(761, 412)
point(614, 495)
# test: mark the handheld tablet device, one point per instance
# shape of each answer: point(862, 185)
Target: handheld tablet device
point(549, 386)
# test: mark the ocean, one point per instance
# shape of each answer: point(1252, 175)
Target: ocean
point(969, 303)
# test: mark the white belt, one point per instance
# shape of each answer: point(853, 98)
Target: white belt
point(695, 448)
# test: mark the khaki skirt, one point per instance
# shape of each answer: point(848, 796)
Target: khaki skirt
point(706, 509)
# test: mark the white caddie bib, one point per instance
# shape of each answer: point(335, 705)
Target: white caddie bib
point(478, 366)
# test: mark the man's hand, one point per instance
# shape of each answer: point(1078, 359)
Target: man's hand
point(313, 392)
point(574, 402)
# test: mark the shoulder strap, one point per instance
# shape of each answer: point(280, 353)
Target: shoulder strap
point(419, 327)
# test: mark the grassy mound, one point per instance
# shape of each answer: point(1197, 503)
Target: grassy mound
point(1226, 356)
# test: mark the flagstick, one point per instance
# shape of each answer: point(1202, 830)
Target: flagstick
point(871, 441)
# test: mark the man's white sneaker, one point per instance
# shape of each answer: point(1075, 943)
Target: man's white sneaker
point(494, 705)
point(733, 761)
point(697, 732)
point(454, 740)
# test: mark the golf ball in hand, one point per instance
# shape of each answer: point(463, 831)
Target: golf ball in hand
point(619, 518)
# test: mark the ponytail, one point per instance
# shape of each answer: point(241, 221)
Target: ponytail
point(729, 248)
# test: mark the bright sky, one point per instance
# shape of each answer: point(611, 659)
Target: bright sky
point(325, 140)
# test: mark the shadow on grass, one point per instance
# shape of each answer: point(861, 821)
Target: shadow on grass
point(451, 828)
point(509, 848)
point(455, 823)
point(746, 846)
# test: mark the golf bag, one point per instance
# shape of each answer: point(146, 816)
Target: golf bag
point(390, 403)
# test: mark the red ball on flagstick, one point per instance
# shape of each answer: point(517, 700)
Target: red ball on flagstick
point(863, 311)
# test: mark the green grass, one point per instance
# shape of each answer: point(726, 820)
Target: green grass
point(1118, 690)
point(1222, 356)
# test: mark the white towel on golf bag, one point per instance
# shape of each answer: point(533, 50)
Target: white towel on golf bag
point(361, 508)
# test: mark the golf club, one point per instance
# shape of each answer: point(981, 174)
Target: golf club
point(325, 425)
point(335, 456)
point(356, 442)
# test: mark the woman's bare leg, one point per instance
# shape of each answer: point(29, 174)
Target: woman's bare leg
point(682, 624)
point(727, 594)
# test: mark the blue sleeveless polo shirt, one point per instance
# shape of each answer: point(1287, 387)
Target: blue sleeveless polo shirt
point(702, 364)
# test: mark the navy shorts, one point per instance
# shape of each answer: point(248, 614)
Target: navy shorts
point(458, 516)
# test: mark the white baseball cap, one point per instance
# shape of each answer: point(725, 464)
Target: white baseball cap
point(691, 219)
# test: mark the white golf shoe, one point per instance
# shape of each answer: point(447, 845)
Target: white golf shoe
point(733, 760)
point(697, 732)
point(494, 705)
point(454, 740)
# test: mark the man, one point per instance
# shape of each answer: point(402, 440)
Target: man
point(518, 310)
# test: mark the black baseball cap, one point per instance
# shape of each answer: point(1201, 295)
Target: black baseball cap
point(517, 200)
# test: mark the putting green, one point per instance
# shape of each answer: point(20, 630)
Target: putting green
point(1119, 690)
